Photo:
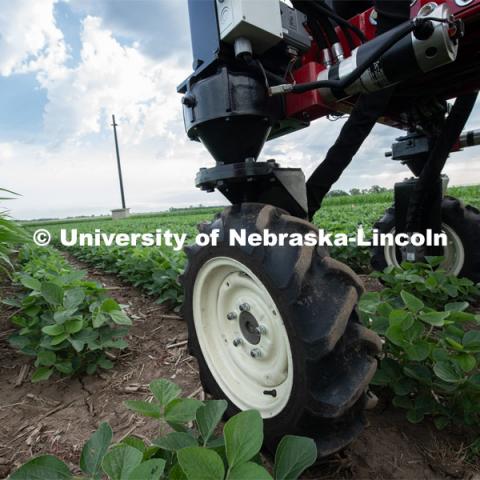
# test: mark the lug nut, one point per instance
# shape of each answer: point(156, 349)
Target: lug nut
point(261, 329)
point(231, 316)
point(256, 353)
point(237, 341)
point(244, 307)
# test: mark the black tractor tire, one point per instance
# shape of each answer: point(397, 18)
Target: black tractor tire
point(333, 355)
point(464, 220)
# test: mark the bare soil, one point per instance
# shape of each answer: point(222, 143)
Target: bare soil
point(59, 415)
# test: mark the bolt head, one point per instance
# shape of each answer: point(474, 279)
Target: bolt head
point(237, 341)
point(231, 316)
point(261, 329)
point(244, 307)
point(256, 353)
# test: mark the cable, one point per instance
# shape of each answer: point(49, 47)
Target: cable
point(341, 21)
point(343, 83)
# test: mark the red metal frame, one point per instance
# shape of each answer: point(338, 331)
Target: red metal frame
point(460, 77)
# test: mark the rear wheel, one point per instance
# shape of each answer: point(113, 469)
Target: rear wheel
point(460, 223)
point(275, 329)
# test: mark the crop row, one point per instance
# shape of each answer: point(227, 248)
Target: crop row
point(156, 269)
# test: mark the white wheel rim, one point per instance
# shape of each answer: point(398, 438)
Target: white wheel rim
point(454, 253)
point(224, 286)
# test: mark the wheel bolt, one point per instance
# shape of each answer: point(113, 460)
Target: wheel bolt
point(261, 329)
point(244, 307)
point(232, 316)
point(237, 341)
point(256, 353)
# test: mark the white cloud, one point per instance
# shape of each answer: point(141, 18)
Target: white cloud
point(112, 78)
point(30, 39)
point(74, 172)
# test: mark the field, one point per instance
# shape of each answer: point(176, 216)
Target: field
point(58, 416)
point(138, 265)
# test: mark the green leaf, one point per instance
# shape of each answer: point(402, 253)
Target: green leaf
point(57, 340)
point(176, 473)
point(209, 416)
point(164, 391)
point(441, 422)
point(182, 410)
point(30, 282)
point(456, 306)
point(420, 373)
point(447, 372)
point(396, 335)
point(418, 351)
point(403, 386)
point(467, 362)
point(98, 320)
point(243, 435)
point(150, 470)
point(42, 468)
point(135, 442)
point(52, 293)
point(73, 298)
point(400, 318)
point(249, 471)
point(402, 402)
point(437, 319)
point(63, 315)
point(53, 330)
point(175, 441)
point(121, 461)
point(74, 325)
point(64, 367)
point(144, 408)
point(120, 317)
point(453, 343)
point(411, 301)
point(415, 416)
point(105, 363)
point(109, 305)
point(94, 451)
point(41, 373)
point(201, 464)
point(46, 358)
point(471, 340)
point(294, 454)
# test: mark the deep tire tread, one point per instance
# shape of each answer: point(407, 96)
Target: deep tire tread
point(320, 295)
point(463, 219)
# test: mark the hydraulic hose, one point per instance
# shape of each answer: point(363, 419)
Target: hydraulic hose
point(325, 10)
point(346, 81)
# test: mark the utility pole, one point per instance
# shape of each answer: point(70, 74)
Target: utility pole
point(114, 125)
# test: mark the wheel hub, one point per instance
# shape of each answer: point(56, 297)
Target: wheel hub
point(453, 252)
point(242, 336)
point(250, 328)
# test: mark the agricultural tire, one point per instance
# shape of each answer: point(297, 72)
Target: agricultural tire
point(460, 222)
point(274, 328)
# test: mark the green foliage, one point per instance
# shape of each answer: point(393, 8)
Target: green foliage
point(66, 322)
point(11, 235)
point(432, 343)
point(191, 452)
point(428, 282)
point(155, 270)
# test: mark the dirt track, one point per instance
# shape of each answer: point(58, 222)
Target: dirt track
point(59, 415)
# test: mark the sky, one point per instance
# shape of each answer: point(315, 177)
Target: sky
point(67, 65)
